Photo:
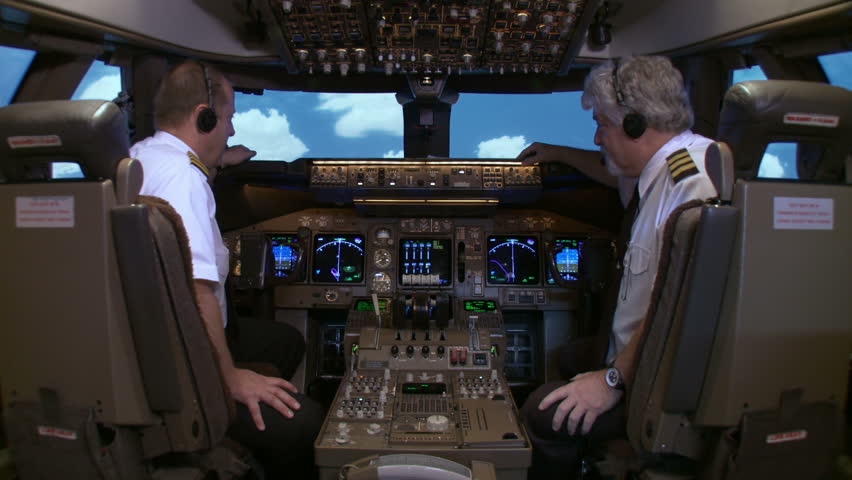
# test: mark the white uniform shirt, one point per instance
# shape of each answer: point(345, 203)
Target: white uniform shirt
point(168, 174)
point(659, 195)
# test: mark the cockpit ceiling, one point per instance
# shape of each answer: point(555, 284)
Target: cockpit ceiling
point(341, 38)
point(422, 36)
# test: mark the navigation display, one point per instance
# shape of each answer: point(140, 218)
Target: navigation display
point(513, 260)
point(567, 259)
point(285, 255)
point(338, 258)
point(425, 262)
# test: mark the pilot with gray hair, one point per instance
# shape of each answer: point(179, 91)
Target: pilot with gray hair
point(643, 118)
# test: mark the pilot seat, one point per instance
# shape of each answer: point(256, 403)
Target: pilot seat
point(105, 367)
point(743, 369)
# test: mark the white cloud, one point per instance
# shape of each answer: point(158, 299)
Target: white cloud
point(363, 112)
point(770, 167)
point(501, 147)
point(392, 154)
point(105, 88)
point(268, 134)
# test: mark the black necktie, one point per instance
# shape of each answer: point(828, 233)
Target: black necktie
point(617, 271)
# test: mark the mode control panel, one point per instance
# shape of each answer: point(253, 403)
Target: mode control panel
point(424, 175)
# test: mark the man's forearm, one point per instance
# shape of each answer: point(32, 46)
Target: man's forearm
point(589, 162)
point(625, 362)
point(212, 317)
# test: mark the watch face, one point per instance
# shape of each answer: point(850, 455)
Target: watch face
point(612, 377)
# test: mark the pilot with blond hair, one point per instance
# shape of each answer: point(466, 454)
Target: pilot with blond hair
point(194, 108)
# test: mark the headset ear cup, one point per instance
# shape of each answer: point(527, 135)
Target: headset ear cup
point(634, 125)
point(207, 120)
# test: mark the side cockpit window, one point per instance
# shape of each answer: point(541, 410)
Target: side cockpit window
point(15, 63)
point(102, 82)
point(838, 68)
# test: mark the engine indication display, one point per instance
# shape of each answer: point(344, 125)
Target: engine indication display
point(425, 262)
point(338, 258)
point(513, 260)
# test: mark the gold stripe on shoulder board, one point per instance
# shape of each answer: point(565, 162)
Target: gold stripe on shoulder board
point(681, 165)
point(196, 162)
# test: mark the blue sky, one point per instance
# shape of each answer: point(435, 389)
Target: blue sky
point(289, 125)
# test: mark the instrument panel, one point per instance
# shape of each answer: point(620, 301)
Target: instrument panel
point(328, 255)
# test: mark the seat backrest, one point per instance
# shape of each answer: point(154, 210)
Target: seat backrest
point(751, 383)
point(814, 116)
point(87, 381)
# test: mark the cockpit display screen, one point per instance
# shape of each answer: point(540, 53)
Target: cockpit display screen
point(567, 259)
point(425, 262)
point(338, 258)
point(513, 260)
point(480, 306)
point(285, 255)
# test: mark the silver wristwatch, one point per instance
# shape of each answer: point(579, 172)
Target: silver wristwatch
point(614, 379)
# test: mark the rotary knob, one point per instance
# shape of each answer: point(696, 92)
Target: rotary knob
point(437, 423)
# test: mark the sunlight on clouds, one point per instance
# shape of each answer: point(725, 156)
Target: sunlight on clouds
point(363, 113)
point(105, 88)
point(502, 147)
point(770, 167)
point(268, 134)
point(392, 154)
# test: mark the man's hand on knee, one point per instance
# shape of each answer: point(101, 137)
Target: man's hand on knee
point(250, 388)
point(581, 401)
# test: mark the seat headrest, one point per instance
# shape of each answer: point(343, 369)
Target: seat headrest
point(759, 112)
point(91, 133)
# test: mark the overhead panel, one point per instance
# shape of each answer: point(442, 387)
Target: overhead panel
point(344, 37)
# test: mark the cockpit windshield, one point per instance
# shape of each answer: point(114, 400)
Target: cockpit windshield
point(290, 125)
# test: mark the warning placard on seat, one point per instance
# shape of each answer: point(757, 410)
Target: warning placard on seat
point(800, 213)
point(44, 212)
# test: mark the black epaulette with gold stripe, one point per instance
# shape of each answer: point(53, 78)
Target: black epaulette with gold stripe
point(681, 165)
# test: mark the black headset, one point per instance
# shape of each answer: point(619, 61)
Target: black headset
point(634, 123)
point(207, 117)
